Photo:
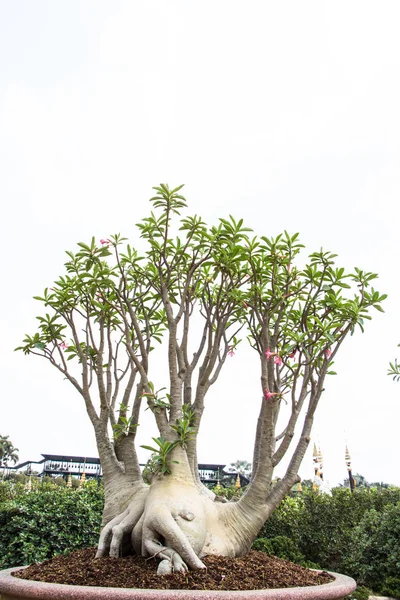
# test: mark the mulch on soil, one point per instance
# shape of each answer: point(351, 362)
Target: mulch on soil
point(255, 571)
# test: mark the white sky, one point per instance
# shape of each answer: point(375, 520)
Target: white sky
point(283, 113)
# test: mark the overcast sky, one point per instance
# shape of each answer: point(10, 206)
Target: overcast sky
point(283, 113)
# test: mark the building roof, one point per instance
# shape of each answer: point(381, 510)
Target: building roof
point(81, 459)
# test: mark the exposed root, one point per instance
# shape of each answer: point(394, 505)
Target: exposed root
point(173, 521)
point(136, 535)
point(177, 548)
point(110, 541)
point(106, 535)
point(167, 521)
point(171, 561)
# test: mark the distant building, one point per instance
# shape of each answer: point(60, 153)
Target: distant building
point(56, 465)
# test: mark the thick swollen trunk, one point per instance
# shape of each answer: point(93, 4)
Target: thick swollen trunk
point(119, 491)
point(122, 478)
point(179, 522)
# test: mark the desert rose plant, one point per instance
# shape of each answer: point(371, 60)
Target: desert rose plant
point(199, 290)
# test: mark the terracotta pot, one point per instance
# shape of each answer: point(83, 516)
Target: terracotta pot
point(12, 588)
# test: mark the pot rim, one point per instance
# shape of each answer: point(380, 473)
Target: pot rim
point(40, 590)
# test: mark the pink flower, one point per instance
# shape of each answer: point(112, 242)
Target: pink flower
point(63, 346)
point(102, 242)
point(231, 351)
point(268, 394)
point(277, 358)
point(268, 354)
point(328, 353)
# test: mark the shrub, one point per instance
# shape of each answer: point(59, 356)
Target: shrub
point(230, 493)
point(8, 491)
point(47, 521)
point(280, 546)
point(361, 593)
point(285, 520)
point(374, 554)
point(326, 524)
point(324, 528)
point(391, 587)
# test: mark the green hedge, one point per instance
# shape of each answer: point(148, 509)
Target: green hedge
point(46, 521)
point(356, 534)
point(374, 554)
point(280, 546)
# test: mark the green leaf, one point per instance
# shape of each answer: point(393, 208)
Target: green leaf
point(377, 307)
point(150, 448)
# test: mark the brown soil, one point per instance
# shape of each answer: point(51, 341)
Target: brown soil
point(255, 571)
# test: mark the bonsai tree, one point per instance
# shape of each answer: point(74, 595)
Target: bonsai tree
point(201, 291)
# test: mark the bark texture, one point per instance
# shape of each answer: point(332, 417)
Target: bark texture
point(179, 521)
